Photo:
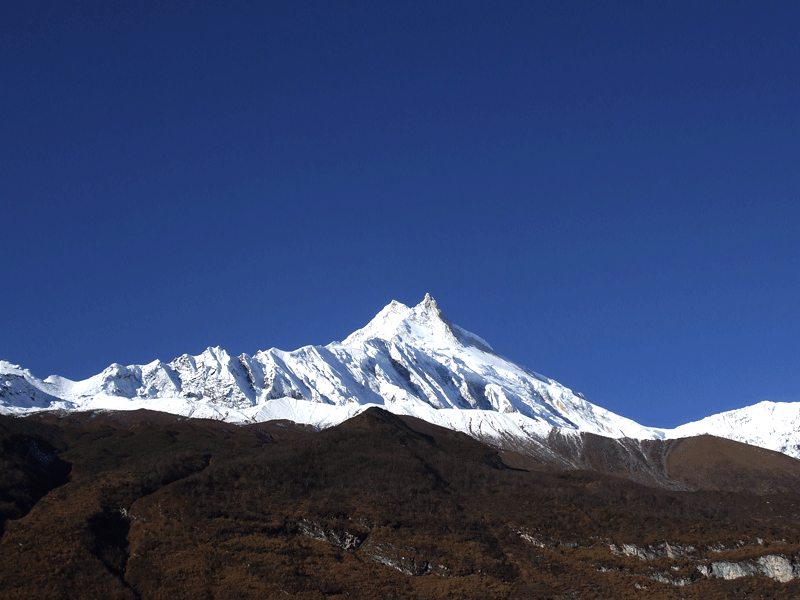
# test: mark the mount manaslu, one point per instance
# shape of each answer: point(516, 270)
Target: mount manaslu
point(408, 360)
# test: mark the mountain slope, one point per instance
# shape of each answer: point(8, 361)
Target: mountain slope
point(410, 360)
point(771, 425)
point(380, 506)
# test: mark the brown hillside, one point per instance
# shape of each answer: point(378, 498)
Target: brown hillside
point(154, 506)
point(698, 463)
point(712, 463)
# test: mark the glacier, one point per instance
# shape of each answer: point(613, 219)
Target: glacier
point(408, 360)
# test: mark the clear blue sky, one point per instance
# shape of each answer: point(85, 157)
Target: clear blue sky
point(607, 192)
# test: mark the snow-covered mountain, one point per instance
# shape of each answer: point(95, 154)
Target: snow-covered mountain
point(409, 360)
point(771, 425)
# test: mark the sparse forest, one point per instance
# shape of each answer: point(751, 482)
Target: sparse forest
point(147, 505)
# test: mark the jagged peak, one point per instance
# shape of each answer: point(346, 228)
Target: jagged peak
point(429, 303)
point(425, 320)
point(215, 354)
point(397, 319)
point(215, 351)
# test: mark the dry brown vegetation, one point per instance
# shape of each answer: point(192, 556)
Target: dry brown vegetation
point(146, 505)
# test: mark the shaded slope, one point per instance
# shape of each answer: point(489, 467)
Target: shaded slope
point(30, 466)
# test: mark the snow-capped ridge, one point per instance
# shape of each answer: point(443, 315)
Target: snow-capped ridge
point(409, 360)
point(771, 425)
point(8, 368)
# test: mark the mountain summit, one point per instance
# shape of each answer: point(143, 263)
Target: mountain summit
point(409, 360)
point(424, 321)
